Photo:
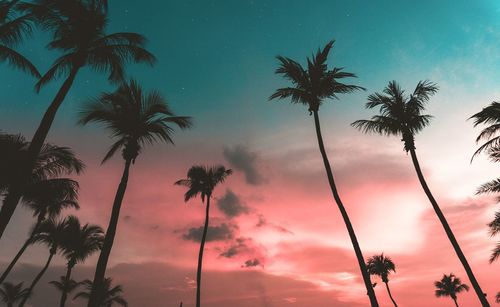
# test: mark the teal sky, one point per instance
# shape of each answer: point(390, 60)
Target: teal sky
point(216, 58)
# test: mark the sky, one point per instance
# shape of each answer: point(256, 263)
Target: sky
point(276, 237)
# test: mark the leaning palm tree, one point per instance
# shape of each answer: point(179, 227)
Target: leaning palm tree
point(450, 285)
point(382, 266)
point(78, 29)
point(202, 180)
point(401, 115)
point(11, 294)
point(135, 119)
point(312, 87)
point(51, 233)
point(107, 295)
point(65, 285)
point(46, 199)
point(80, 242)
point(14, 27)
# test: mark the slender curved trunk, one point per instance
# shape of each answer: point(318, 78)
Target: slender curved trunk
point(20, 252)
point(67, 278)
point(15, 191)
point(449, 232)
point(390, 295)
point(200, 255)
point(455, 301)
point(343, 212)
point(102, 263)
point(37, 278)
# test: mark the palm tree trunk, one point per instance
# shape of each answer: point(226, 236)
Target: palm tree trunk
point(64, 294)
point(449, 232)
point(390, 295)
point(200, 255)
point(37, 278)
point(15, 191)
point(20, 252)
point(102, 263)
point(455, 300)
point(343, 212)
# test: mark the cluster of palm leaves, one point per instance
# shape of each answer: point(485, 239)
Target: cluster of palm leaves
point(35, 173)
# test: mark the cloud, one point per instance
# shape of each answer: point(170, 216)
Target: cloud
point(243, 246)
point(221, 232)
point(262, 222)
point(246, 161)
point(231, 205)
point(250, 263)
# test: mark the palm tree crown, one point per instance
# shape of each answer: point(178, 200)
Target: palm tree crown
point(10, 293)
point(494, 230)
point(80, 242)
point(400, 114)
point(312, 85)
point(133, 117)
point(78, 28)
point(449, 285)
point(65, 285)
point(381, 266)
point(13, 28)
point(108, 294)
point(202, 180)
point(490, 116)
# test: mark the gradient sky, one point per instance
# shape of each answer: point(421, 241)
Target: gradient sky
point(277, 237)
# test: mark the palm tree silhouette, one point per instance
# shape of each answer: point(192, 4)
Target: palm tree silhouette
point(107, 294)
point(135, 119)
point(78, 29)
point(490, 115)
point(401, 115)
point(13, 28)
point(65, 285)
point(80, 242)
point(382, 266)
point(202, 180)
point(46, 199)
point(497, 298)
point(51, 233)
point(311, 87)
point(11, 294)
point(450, 285)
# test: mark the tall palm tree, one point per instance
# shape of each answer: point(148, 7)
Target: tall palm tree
point(490, 116)
point(135, 119)
point(382, 266)
point(312, 86)
point(13, 28)
point(108, 295)
point(450, 285)
point(11, 294)
point(78, 29)
point(401, 115)
point(202, 180)
point(80, 242)
point(46, 199)
point(65, 285)
point(51, 233)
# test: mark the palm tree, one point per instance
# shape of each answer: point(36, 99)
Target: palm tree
point(65, 285)
point(202, 180)
point(52, 162)
point(78, 29)
point(490, 115)
point(311, 87)
point(107, 295)
point(13, 28)
point(46, 199)
point(497, 298)
point(80, 242)
point(10, 293)
point(51, 233)
point(135, 119)
point(450, 285)
point(401, 115)
point(382, 266)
